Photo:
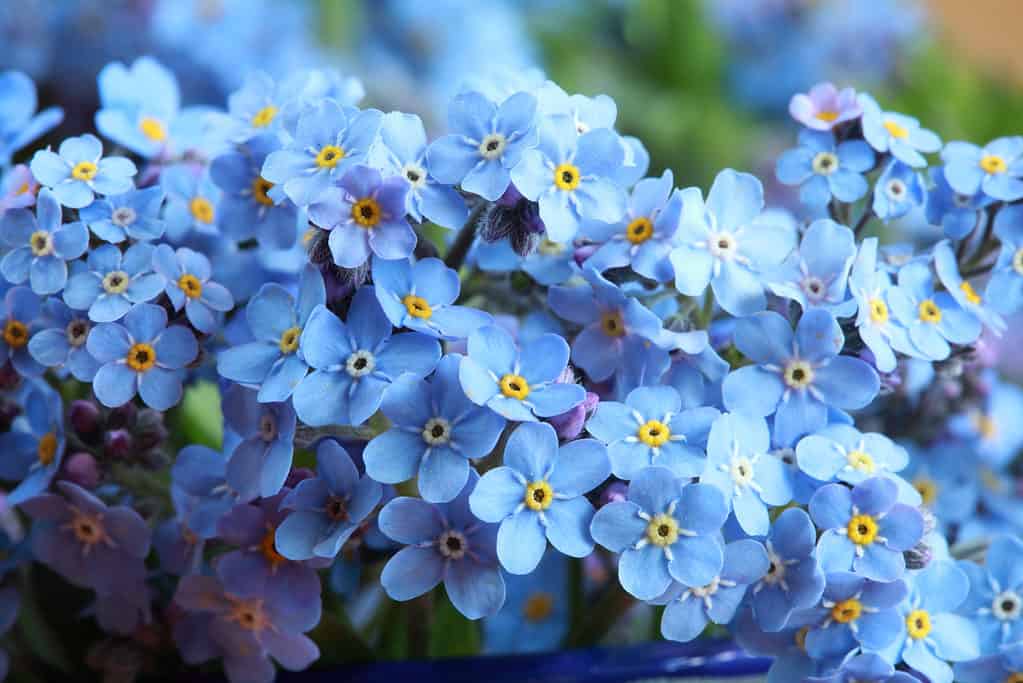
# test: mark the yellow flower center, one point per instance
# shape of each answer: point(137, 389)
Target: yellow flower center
point(929, 312)
point(141, 357)
point(84, 170)
point(289, 340)
point(25, 188)
point(15, 333)
point(116, 282)
point(566, 177)
point(896, 130)
point(827, 115)
point(366, 212)
point(153, 129)
point(861, 460)
point(190, 285)
point(260, 187)
point(992, 163)
point(654, 433)
point(662, 530)
point(1015, 677)
point(329, 155)
point(800, 638)
point(202, 209)
point(265, 116)
point(514, 386)
point(612, 324)
point(862, 529)
point(847, 611)
point(798, 374)
point(918, 624)
point(970, 294)
point(248, 614)
point(88, 529)
point(985, 426)
point(46, 451)
point(927, 488)
point(878, 311)
point(639, 230)
point(268, 546)
point(538, 606)
point(41, 243)
point(539, 495)
point(548, 247)
point(417, 306)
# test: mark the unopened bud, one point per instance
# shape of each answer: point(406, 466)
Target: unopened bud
point(81, 468)
point(118, 443)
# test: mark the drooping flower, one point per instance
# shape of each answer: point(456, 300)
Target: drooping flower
point(866, 529)
point(824, 107)
point(870, 286)
point(20, 319)
point(946, 266)
point(664, 531)
point(996, 169)
point(354, 361)
point(327, 508)
point(134, 215)
point(896, 133)
point(112, 282)
point(260, 462)
point(518, 384)
point(78, 171)
point(435, 431)
point(40, 245)
point(1005, 288)
point(142, 356)
point(34, 447)
point(651, 428)
point(21, 123)
point(539, 495)
point(188, 285)
point(824, 169)
point(443, 542)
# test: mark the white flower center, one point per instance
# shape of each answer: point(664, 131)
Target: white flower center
point(775, 570)
point(741, 469)
point(414, 174)
point(492, 146)
point(452, 545)
point(77, 332)
point(360, 363)
point(814, 288)
point(437, 431)
point(722, 245)
point(1006, 606)
point(116, 282)
point(123, 216)
point(896, 190)
point(825, 163)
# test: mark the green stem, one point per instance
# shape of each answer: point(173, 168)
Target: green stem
point(606, 612)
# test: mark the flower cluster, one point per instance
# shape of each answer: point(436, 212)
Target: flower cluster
point(755, 418)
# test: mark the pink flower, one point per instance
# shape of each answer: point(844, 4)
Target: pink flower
point(824, 107)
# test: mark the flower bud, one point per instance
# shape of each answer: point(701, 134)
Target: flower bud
point(81, 468)
point(85, 417)
point(118, 443)
point(122, 417)
point(149, 431)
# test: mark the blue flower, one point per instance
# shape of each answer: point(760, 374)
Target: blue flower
point(824, 169)
point(405, 153)
point(794, 580)
point(947, 268)
point(957, 214)
point(611, 320)
point(865, 529)
point(61, 341)
point(990, 425)
point(327, 508)
point(665, 530)
point(996, 169)
point(995, 600)
point(651, 428)
point(40, 245)
point(200, 491)
point(134, 215)
point(142, 356)
point(486, 142)
point(329, 140)
point(34, 447)
point(855, 612)
point(112, 282)
point(728, 244)
point(139, 106)
point(898, 134)
point(571, 176)
point(865, 668)
point(539, 495)
point(842, 452)
point(933, 319)
point(274, 362)
point(520, 385)
point(251, 205)
point(689, 609)
point(21, 124)
point(816, 274)
point(1005, 288)
point(870, 287)
point(353, 362)
point(256, 107)
point(20, 316)
point(998, 668)
point(192, 201)
point(187, 274)
point(738, 463)
point(261, 461)
point(931, 634)
point(948, 481)
point(444, 542)
point(365, 213)
point(17, 189)
point(797, 376)
point(420, 296)
point(79, 172)
point(435, 431)
point(535, 616)
point(898, 190)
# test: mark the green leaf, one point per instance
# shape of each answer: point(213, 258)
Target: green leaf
point(451, 634)
point(198, 420)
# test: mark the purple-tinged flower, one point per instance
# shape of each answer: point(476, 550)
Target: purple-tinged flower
point(17, 189)
point(200, 492)
point(824, 106)
point(260, 463)
point(794, 580)
point(188, 285)
point(33, 449)
point(365, 213)
point(443, 542)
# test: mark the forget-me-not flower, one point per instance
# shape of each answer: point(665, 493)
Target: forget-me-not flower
point(61, 341)
point(1005, 288)
point(40, 245)
point(34, 447)
point(844, 453)
point(539, 495)
point(192, 202)
point(794, 580)
point(996, 169)
point(77, 172)
point(898, 190)
point(824, 107)
point(854, 612)
point(21, 124)
point(933, 319)
point(957, 214)
point(20, 317)
point(816, 275)
point(870, 286)
point(896, 133)
point(865, 668)
point(823, 169)
point(260, 462)
point(112, 282)
point(535, 616)
point(188, 285)
point(134, 215)
point(995, 600)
